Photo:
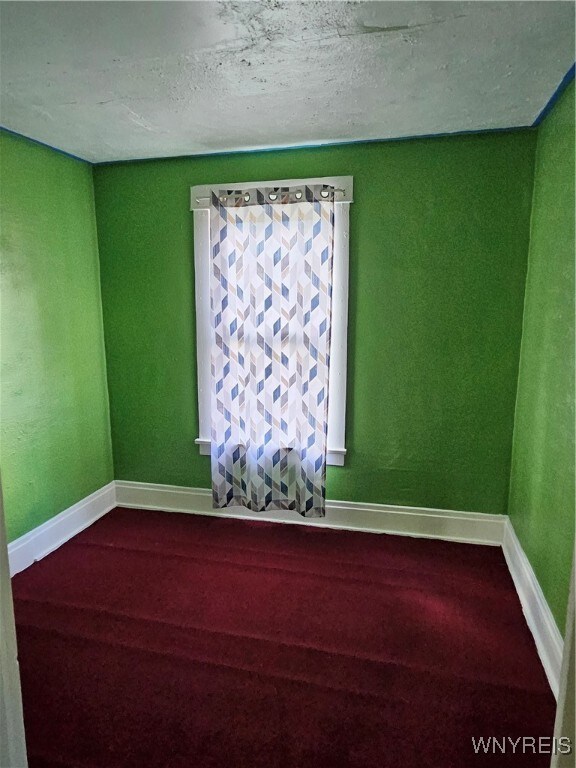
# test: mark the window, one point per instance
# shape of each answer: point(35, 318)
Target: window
point(201, 199)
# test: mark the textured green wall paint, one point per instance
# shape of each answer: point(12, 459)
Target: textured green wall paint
point(55, 435)
point(439, 240)
point(542, 478)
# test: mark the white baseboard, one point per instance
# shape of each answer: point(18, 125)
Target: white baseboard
point(471, 527)
point(54, 532)
point(468, 527)
point(538, 615)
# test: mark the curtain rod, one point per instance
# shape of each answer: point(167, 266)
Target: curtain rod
point(239, 193)
point(338, 188)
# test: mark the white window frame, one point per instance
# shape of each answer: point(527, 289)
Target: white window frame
point(200, 201)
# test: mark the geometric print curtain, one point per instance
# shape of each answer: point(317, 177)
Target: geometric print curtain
point(270, 299)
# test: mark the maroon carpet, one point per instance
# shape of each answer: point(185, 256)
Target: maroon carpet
point(155, 639)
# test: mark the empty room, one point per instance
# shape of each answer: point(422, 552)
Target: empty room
point(287, 384)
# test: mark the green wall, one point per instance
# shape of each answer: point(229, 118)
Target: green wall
point(55, 440)
point(542, 479)
point(439, 241)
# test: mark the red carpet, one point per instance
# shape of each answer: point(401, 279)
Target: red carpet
point(175, 641)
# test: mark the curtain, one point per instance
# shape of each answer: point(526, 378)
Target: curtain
point(271, 289)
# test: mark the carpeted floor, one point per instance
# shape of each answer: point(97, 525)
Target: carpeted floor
point(167, 640)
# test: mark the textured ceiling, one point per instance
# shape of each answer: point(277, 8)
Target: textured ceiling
point(122, 80)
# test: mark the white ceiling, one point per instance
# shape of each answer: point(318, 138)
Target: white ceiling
point(122, 80)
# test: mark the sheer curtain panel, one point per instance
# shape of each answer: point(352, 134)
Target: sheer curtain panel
point(270, 304)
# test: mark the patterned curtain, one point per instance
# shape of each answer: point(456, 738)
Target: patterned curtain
point(271, 288)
